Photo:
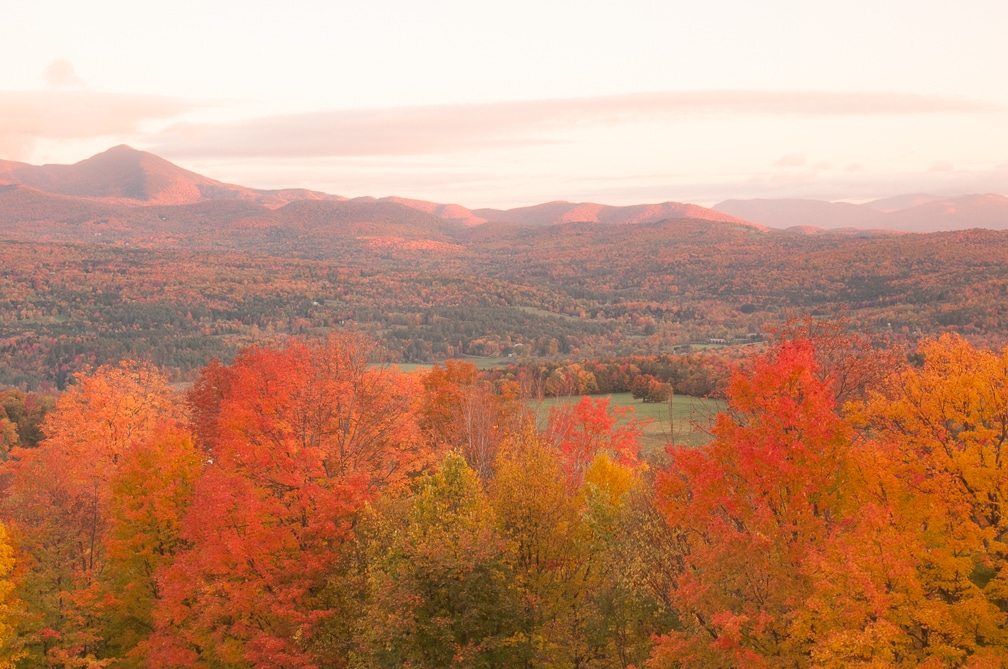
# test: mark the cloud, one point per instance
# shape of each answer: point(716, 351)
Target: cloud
point(942, 166)
point(447, 128)
point(791, 160)
point(27, 116)
point(61, 74)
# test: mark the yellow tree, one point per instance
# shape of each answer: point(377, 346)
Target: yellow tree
point(11, 609)
point(942, 429)
point(537, 510)
point(441, 574)
point(58, 502)
point(150, 493)
point(568, 538)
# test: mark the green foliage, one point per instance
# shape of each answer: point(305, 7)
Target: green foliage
point(442, 592)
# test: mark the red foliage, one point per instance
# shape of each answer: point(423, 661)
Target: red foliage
point(581, 430)
point(297, 438)
point(753, 505)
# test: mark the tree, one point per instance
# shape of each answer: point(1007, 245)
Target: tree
point(21, 418)
point(582, 430)
point(649, 389)
point(11, 608)
point(442, 580)
point(150, 493)
point(298, 438)
point(752, 507)
point(59, 500)
point(941, 429)
point(460, 411)
point(581, 610)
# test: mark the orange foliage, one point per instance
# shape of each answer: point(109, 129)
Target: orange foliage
point(297, 438)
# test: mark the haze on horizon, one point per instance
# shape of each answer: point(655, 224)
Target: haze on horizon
point(453, 101)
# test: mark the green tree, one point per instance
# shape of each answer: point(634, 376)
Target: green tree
point(442, 580)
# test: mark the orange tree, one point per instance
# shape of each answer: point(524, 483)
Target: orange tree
point(751, 508)
point(297, 438)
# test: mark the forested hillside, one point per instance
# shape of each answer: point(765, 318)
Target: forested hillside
point(126, 255)
point(573, 291)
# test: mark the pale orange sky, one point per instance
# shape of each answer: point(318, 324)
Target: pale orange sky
point(514, 104)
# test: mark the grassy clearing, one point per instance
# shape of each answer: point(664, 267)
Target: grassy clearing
point(683, 420)
point(409, 366)
point(480, 362)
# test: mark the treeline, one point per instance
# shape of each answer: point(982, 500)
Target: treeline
point(299, 507)
point(651, 378)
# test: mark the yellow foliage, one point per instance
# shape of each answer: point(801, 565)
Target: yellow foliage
point(10, 607)
point(942, 430)
point(613, 478)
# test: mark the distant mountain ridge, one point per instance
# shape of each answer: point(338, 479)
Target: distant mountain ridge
point(126, 176)
point(552, 213)
point(903, 213)
point(112, 187)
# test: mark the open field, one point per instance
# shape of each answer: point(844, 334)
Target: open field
point(479, 361)
point(683, 420)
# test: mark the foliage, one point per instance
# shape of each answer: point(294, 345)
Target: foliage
point(942, 430)
point(566, 294)
point(61, 499)
point(11, 608)
point(309, 509)
point(442, 581)
point(753, 506)
point(298, 438)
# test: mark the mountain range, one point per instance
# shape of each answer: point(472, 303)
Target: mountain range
point(123, 193)
point(903, 213)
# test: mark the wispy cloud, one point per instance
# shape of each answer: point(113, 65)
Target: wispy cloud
point(61, 74)
point(791, 160)
point(447, 128)
point(28, 116)
point(847, 185)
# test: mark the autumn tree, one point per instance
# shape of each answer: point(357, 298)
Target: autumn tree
point(580, 431)
point(941, 431)
point(297, 438)
point(649, 389)
point(459, 410)
point(59, 503)
point(850, 362)
point(21, 418)
point(568, 541)
point(751, 507)
point(11, 608)
point(151, 491)
point(442, 581)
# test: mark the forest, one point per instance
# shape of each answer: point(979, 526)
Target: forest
point(567, 292)
point(299, 506)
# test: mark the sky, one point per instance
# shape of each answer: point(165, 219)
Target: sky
point(516, 103)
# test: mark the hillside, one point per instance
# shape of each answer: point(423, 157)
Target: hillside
point(123, 174)
point(87, 279)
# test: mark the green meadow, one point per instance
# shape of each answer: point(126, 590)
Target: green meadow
point(682, 420)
